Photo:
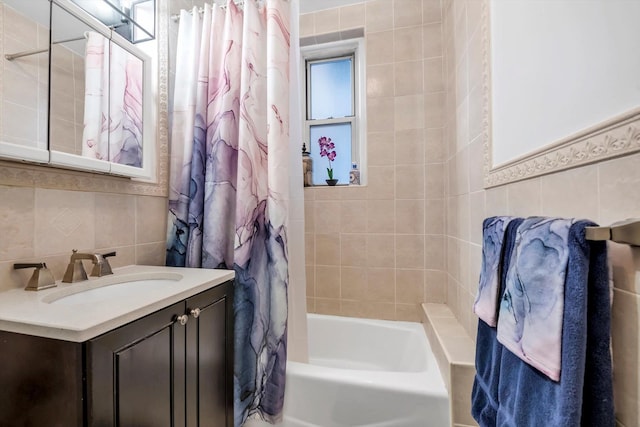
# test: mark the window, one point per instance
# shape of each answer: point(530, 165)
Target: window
point(334, 100)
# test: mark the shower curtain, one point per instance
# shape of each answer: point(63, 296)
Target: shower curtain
point(229, 180)
point(113, 103)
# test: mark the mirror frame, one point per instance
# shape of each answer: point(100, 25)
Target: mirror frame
point(616, 137)
point(33, 173)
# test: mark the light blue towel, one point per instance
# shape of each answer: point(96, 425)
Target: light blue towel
point(487, 299)
point(531, 311)
point(582, 397)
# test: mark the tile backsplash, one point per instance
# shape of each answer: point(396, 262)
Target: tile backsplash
point(43, 225)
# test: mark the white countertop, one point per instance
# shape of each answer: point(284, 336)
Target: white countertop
point(76, 320)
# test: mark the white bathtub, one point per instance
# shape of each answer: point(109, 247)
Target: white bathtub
point(364, 372)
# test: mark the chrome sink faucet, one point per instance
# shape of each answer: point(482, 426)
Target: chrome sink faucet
point(76, 272)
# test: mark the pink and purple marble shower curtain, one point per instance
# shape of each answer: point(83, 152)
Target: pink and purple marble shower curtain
point(113, 103)
point(95, 135)
point(229, 184)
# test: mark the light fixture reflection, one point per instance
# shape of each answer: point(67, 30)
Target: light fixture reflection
point(122, 17)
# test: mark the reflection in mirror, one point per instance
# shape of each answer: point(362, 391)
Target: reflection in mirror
point(68, 40)
point(99, 118)
point(23, 124)
point(143, 12)
point(113, 103)
point(132, 19)
point(96, 94)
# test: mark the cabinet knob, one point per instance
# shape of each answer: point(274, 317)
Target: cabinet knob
point(182, 319)
point(195, 313)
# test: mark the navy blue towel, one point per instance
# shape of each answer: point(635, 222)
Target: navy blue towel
point(584, 394)
point(484, 397)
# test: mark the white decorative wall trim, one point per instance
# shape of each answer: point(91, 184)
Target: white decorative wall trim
point(612, 138)
point(41, 176)
point(163, 97)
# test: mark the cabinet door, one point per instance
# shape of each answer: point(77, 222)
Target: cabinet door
point(210, 358)
point(136, 373)
point(40, 381)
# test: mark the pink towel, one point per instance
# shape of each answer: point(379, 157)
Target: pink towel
point(532, 306)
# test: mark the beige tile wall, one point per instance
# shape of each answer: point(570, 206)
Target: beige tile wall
point(38, 224)
point(378, 251)
point(67, 100)
point(24, 81)
point(604, 192)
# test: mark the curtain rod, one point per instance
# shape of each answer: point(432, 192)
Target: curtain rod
point(239, 3)
point(176, 17)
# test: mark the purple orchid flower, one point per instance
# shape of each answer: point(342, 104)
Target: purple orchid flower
point(327, 149)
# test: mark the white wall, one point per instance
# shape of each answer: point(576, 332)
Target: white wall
point(559, 67)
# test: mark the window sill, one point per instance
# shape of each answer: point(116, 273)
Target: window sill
point(337, 185)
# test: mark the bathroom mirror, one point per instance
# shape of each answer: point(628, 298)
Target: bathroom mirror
point(101, 114)
point(25, 82)
point(561, 88)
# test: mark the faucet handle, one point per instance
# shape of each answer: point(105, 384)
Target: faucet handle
point(109, 254)
point(42, 278)
point(102, 267)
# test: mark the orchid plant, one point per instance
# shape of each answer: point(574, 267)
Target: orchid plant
point(327, 149)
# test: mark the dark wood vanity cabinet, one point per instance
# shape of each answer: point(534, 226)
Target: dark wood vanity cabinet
point(171, 368)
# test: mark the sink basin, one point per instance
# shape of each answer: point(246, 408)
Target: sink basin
point(81, 311)
point(110, 287)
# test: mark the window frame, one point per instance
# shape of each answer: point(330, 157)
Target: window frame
point(309, 62)
point(329, 52)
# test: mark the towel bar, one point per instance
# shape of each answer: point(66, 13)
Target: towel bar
point(627, 231)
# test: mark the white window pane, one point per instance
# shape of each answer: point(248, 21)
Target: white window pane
point(331, 89)
point(340, 135)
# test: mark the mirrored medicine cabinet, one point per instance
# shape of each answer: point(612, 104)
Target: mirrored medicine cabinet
point(83, 95)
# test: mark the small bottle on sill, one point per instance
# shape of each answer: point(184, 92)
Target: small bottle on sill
point(354, 174)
